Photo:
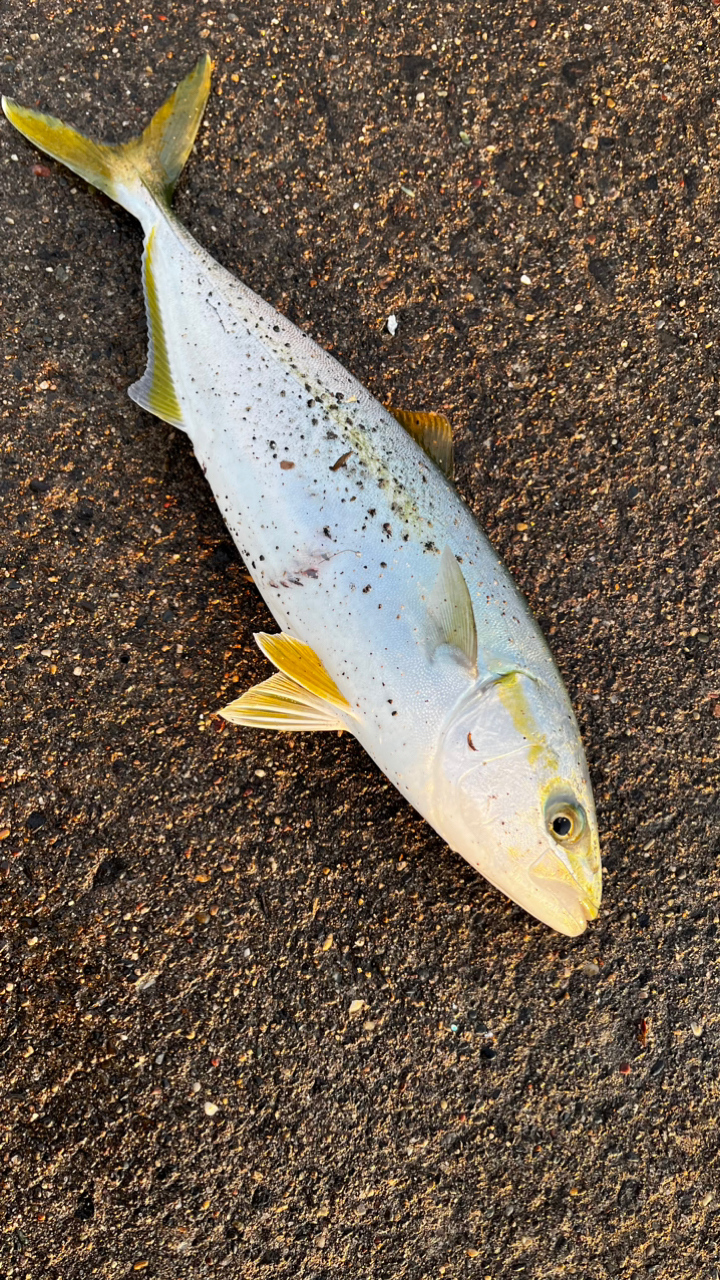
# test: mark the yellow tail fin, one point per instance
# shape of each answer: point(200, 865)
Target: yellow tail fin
point(153, 161)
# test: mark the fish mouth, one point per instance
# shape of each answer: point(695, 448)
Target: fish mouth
point(570, 905)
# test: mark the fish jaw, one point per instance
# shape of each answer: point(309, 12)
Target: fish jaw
point(509, 777)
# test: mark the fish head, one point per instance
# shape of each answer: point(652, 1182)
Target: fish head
point(512, 795)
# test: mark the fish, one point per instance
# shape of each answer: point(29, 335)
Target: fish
point(398, 622)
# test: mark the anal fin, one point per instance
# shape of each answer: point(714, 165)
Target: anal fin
point(301, 696)
point(156, 390)
point(433, 433)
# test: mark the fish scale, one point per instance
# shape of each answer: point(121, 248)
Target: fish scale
point(397, 620)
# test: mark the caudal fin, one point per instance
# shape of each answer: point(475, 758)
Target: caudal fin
point(128, 171)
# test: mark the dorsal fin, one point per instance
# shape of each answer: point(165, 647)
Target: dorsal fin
point(156, 390)
point(451, 611)
point(433, 433)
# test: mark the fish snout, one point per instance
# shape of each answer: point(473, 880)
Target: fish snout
point(573, 897)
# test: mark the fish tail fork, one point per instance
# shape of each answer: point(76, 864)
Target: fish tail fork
point(130, 171)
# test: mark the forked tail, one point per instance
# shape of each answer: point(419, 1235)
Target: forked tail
point(129, 172)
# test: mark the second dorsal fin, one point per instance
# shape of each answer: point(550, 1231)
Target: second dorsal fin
point(433, 433)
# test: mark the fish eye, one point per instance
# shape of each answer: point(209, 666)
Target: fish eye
point(565, 822)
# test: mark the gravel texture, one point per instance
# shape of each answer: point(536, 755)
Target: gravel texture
point(257, 1020)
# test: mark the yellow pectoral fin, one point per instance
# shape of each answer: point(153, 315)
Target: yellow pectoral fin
point(301, 664)
point(282, 703)
point(433, 433)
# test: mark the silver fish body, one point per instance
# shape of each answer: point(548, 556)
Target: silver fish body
point(371, 564)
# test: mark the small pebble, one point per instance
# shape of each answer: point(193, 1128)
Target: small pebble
point(697, 1028)
point(392, 325)
point(356, 1006)
point(210, 1108)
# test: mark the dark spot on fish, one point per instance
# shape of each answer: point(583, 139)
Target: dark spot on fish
point(327, 532)
point(341, 460)
point(387, 529)
point(366, 589)
point(309, 573)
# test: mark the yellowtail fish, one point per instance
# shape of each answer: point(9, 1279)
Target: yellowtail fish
point(397, 620)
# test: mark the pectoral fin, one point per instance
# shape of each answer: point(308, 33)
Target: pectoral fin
point(301, 696)
point(452, 620)
point(433, 433)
